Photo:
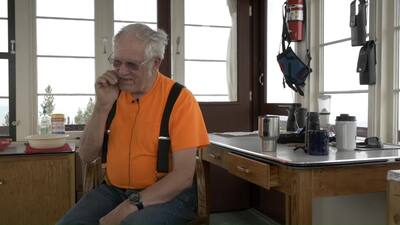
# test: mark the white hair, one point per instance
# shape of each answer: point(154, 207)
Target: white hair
point(155, 41)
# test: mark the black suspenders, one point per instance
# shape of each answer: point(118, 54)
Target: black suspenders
point(110, 117)
point(164, 141)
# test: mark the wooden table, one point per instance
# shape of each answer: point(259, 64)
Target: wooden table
point(299, 176)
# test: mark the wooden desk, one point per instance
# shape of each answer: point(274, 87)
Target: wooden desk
point(299, 176)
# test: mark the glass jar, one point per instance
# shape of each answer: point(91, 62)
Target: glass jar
point(45, 125)
point(57, 123)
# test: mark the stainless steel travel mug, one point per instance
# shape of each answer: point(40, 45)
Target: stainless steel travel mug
point(268, 130)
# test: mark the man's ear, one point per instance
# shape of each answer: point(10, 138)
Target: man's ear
point(157, 63)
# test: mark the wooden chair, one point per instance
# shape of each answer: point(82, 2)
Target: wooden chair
point(93, 175)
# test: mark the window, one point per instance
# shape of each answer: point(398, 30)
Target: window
point(133, 11)
point(7, 69)
point(274, 87)
point(208, 45)
point(339, 60)
point(65, 57)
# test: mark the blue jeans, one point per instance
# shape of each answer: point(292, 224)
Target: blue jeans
point(103, 199)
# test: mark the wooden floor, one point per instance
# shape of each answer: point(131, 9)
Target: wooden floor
point(250, 216)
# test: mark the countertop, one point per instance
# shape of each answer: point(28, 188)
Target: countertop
point(19, 147)
point(252, 145)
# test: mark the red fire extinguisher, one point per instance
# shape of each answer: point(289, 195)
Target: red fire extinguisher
point(295, 19)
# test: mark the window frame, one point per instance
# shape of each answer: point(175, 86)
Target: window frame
point(38, 94)
point(10, 56)
point(262, 106)
point(213, 112)
point(361, 131)
point(396, 86)
point(103, 33)
point(223, 116)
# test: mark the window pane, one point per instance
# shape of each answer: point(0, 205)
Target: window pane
point(119, 25)
point(353, 104)
point(135, 10)
point(68, 105)
point(340, 63)
point(65, 37)
point(397, 37)
point(206, 78)
point(4, 115)
point(215, 98)
point(211, 43)
point(338, 27)
point(274, 87)
point(3, 35)
point(206, 42)
point(66, 75)
point(3, 77)
point(3, 8)
point(207, 12)
point(66, 8)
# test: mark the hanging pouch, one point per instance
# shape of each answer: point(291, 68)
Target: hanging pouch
point(358, 23)
point(366, 63)
point(294, 70)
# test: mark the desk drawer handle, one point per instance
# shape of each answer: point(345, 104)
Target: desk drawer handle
point(242, 169)
point(214, 156)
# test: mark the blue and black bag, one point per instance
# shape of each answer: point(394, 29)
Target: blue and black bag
point(295, 72)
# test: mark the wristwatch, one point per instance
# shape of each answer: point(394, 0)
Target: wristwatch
point(134, 198)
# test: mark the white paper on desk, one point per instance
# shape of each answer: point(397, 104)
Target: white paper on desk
point(237, 133)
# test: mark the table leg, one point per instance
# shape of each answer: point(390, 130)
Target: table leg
point(300, 200)
point(287, 210)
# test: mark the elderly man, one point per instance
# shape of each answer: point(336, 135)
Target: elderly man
point(134, 192)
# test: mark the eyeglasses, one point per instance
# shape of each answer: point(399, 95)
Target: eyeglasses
point(132, 66)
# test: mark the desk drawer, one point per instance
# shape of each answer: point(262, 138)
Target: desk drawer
point(262, 174)
point(216, 155)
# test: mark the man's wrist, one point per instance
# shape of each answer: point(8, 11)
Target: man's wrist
point(134, 198)
point(139, 205)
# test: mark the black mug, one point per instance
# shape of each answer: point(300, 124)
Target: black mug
point(318, 141)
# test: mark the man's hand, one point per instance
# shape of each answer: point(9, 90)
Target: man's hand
point(118, 214)
point(106, 90)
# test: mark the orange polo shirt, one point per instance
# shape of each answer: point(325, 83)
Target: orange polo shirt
point(134, 131)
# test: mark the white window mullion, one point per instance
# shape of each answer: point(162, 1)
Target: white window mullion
point(26, 101)
point(374, 114)
point(385, 50)
point(396, 87)
point(177, 40)
point(104, 31)
point(314, 83)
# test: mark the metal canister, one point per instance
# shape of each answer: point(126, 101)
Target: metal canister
point(268, 130)
point(312, 123)
point(57, 123)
